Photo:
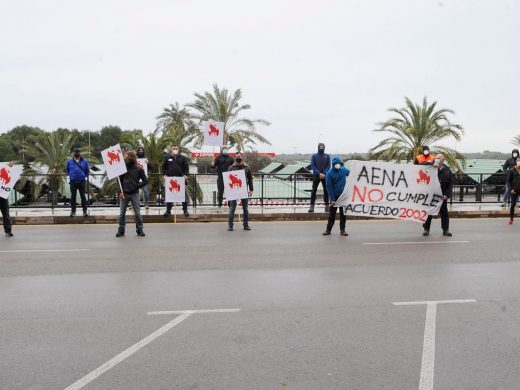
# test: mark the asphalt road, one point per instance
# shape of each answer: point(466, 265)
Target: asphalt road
point(312, 312)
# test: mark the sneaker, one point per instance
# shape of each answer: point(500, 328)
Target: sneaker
point(246, 227)
point(186, 214)
point(120, 233)
point(167, 213)
point(8, 234)
point(146, 207)
point(311, 209)
point(447, 233)
point(230, 229)
point(72, 214)
point(140, 233)
point(426, 233)
point(219, 209)
point(326, 233)
point(504, 204)
point(85, 214)
point(511, 221)
point(343, 233)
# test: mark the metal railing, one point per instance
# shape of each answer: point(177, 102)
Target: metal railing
point(275, 189)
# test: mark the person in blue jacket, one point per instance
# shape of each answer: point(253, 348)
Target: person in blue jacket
point(335, 180)
point(77, 168)
point(320, 163)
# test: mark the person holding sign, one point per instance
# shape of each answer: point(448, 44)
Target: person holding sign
point(4, 207)
point(146, 194)
point(513, 182)
point(335, 180)
point(131, 182)
point(221, 164)
point(320, 163)
point(78, 170)
point(237, 166)
point(175, 164)
point(446, 180)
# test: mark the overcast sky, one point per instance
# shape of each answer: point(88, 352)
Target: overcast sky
point(311, 68)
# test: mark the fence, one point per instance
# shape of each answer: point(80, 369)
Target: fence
point(291, 190)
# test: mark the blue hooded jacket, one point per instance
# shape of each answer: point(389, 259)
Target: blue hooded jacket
point(77, 171)
point(320, 162)
point(336, 179)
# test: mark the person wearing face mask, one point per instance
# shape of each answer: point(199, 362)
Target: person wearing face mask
point(320, 163)
point(221, 164)
point(6, 218)
point(513, 182)
point(336, 180)
point(446, 179)
point(131, 182)
point(238, 165)
point(425, 158)
point(77, 168)
point(509, 164)
point(146, 194)
point(176, 164)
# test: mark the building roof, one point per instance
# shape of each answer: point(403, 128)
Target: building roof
point(271, 168)
point(291, 170)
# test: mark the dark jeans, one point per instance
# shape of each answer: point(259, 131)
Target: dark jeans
point(332, 218)
point(136, 204)
point(146, 195)
point(76, 186)
point(315, 184)
point(169, 206)
point(220, 192)
point(445, 219)
point(514, 200)
point(232, 208)
point(6, 218)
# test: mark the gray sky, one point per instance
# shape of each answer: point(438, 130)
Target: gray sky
point(309, 67)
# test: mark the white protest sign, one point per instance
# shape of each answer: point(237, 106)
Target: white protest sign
point(389, 190)
point(213, 133)
point(114, 161)
point(235, 185)
point(8, 178)
point(175, 189)
point(143, 163)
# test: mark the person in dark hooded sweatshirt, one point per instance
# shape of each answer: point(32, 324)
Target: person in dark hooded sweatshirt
point(175, 164)
point(146, 194)
point(239, 165)
point(509, 164)
point(221, 164)
point(336, 180)
point(513, 182)
point(131, 181)
point(320, 163)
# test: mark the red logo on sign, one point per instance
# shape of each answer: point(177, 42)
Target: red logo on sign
point(213, 130)
point(113, 157)
point(174, 186)
point(140, 164)
point(234, 182)
point(423, 178)
point(4, 176)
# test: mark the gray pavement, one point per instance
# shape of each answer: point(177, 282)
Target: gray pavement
point(315, 312)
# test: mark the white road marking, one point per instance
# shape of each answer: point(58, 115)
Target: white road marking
point(415, 242)
point(45, 250)
point(155, 313)
point(183, 314)
point(428, 355)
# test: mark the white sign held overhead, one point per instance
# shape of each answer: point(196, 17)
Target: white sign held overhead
point(213, 133)
point(8, 178)
point(235, 185)
point(114, 161)
point(175, 189)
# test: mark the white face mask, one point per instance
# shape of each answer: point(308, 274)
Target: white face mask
point(515, 155)
point(337, 166)
point(437, 162)
point(224, 151)
point(426, 152)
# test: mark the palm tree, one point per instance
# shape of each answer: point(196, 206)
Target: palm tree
point(414, 126)
point(225, 107)
point(516, 140)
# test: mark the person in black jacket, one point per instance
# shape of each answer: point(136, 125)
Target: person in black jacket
point(320, 164)
point(175, 164)
point(509, 164)
point(446, 180)
point(238, 165)
point(221, 164)
point(513, 182)
point(131, 182)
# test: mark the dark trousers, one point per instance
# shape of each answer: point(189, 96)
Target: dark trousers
point(220, 192)
point(169, 206)
point(6, 218)
point(514, 200)
point(315, 184)
point(76, 186)
point(332, 218)
point(445, 219)
point(136, 205)
point(232, 208)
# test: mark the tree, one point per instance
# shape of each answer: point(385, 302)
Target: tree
point(225, 107)
point(516, 140)
point(414, 126)
point(256, 161)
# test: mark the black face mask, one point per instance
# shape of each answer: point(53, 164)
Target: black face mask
point(239, 160)
point(321, 151)
point(140, 154)
point(77, 155)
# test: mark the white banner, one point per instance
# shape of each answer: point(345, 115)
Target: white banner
point(213, 133)
point(8, 178)
point(175, 189)
point(235, 185)
point(143, 163)
point(114, 161)
point(388, 190)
